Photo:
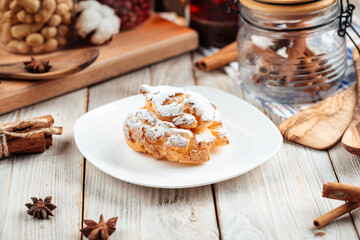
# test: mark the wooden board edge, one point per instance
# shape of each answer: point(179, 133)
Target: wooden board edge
point(39, 92)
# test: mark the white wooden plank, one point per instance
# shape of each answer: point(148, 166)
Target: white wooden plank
point(176, 72)
point(56, 172)
point(242, 202)
point(281, 198)
point(178, 214)
point(293, 179)
point(185, 213)
point(216, 79)
point(148, 213)
point(346, 165)
point(6, 166)
point(103, 193)
point(347, 169)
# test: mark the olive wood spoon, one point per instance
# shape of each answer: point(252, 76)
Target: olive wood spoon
point(62, 64)
point(351, 138)
point(322, 125)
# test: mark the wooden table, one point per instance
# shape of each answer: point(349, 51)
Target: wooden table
point(278, 200)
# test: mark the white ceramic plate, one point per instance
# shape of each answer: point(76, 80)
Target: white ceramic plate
point(253, 139)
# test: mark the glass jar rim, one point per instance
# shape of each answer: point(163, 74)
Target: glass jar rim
point(288, 29)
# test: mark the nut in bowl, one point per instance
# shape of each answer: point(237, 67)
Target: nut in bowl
point(175, 124)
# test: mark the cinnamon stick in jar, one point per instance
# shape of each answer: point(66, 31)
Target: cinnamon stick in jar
point(341, 191)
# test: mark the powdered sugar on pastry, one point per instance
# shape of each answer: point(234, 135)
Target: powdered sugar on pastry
point(186, 109)
point(144, 127)
point(160, 94)
point(204, 139)
point(175, 124)
point(200, 105)
point(160, 98)
point(184, 119)
point(219, 131)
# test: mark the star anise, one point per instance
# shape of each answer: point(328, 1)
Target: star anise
point(100, 230)
point(39, 208)
point(37, 66)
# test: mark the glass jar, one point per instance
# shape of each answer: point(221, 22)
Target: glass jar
point(289, 55)
point(131, 12)
point(35, 26)
point(216, 27)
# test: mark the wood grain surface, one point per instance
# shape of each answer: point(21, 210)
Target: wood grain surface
point(278, 200)
point(58, 172)
point(322, 125)
point(153, 41)
point(351, 138)
point(6, 166)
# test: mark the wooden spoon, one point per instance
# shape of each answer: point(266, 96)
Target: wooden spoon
point(351, 138)
point(322, 125)
point(63, 64)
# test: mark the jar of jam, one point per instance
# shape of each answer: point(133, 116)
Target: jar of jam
point(216, 27)
point(131, 12)
point(35, 26)
point(291, 53)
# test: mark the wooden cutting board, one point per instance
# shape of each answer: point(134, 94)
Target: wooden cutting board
point(154, 41)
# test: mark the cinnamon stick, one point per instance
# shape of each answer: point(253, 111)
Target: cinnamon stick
point(33, 135)
point(230, 47)
point(47, 118)
point(33, 144)
point(216, 60)
point(295, 53)
point(56, 130)
point(341, 191)
point(49, 141)
point(257, 78)
point(229, 54)
point(264, 69)
point(267, 54)
point(335, 213)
